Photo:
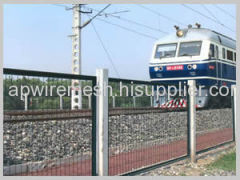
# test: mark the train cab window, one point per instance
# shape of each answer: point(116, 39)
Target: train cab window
point(235, 57)
point(190, 48)
point(229, 55)
point(212, 51)
point(166, 50)
point(223, 53)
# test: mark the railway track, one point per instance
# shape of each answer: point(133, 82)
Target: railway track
point(44, 115)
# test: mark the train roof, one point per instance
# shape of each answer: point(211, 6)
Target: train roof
point(193, 34)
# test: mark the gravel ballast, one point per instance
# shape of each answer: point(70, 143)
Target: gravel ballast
point(26, 142)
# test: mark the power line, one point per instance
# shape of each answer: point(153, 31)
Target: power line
point(130, 21)
point(95, 16)
point(198, 12)
point(211, 13)
point(61, 5)
point(128, 29)
point(105, 49)
point(224, 11)
point(161, 15)
point(118, 12)
point(107, 14)
point(139, 24)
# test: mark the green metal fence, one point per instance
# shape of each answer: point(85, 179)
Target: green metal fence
point(43, 135)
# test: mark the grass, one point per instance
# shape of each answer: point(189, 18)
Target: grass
point(226, 162)
point(182, 174)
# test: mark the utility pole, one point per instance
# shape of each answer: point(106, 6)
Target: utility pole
point(76, 93)
point(76, 57)
point(76, 98)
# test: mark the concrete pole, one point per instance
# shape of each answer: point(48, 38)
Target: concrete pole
point(76, 57)
point(60, 102)
point(134, 101)
point(102, 123)
point(192, 121)
point(234, 109)
point(151, 101)
point(89, 102)
point(25, 102)
point(76, 52)
point(114, 101)
point(155, 98)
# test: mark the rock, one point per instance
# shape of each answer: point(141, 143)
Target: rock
point(57, 139)
point(26, 139)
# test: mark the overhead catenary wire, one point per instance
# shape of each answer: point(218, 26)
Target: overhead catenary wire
point(130, 21)
point(106, 14)
point(140, 24)
point(93, 17)
point(211, 14)
point(210, 18)
point(122, 27)
point(224, 11)
point(105, 49)
point(128, 29)
point(61, 5)
point(161, 15)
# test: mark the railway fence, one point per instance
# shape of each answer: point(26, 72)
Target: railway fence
point(110, 135)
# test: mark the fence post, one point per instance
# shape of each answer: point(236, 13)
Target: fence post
point(25, 102)
point(151, 101)
point(94, 128)
point(61, 102)
point(102, 123)
point(89, 102)
point(134, 101)
point(192, 119)
point(113, 102)
point(234, 112)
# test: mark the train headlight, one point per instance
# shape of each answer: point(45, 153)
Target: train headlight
point(194, 66)
point(179, 33)
point(156, 69)
point(160, 68)
point(189, 67)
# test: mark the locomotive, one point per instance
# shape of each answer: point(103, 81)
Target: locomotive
point(193, 53)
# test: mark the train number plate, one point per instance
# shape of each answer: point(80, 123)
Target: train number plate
point(174, 68)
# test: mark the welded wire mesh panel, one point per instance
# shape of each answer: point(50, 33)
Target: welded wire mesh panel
point(42, 135)
point(141, 137)
point(143, 101)
point(214, 118)
point(47, 148)
point(123, 95)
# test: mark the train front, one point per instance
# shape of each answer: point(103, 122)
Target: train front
point(180, 57)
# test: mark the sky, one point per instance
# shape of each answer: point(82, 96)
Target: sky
point(36, 36)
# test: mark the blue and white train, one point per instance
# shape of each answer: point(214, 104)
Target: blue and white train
point(193, 53)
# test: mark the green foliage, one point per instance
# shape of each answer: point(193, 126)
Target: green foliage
point(52, 101)
point(46, 101)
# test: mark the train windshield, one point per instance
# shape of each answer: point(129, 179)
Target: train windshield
point(190, 48)
point(166, 50)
